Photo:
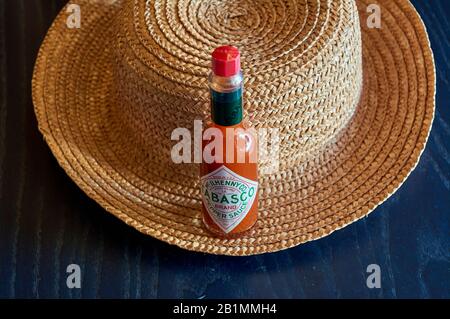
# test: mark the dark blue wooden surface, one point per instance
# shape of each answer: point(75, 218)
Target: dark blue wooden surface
point(47, 223)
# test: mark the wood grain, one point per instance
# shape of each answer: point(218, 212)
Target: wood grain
point(47, 223)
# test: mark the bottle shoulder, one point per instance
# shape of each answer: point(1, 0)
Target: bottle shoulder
point(244, 125)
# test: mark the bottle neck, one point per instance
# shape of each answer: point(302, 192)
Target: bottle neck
point(226, 99)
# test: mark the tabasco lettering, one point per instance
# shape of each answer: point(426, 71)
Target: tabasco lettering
point(229, 183)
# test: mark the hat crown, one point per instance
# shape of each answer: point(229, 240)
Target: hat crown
point(302, 63)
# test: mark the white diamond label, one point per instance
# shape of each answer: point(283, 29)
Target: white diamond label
point(227, 197)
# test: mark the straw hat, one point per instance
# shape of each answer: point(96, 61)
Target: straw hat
point(353, 105)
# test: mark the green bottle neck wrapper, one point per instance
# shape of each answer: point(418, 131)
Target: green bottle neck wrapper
point(226, 108)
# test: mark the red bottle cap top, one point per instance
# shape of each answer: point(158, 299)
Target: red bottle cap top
point(226, 61)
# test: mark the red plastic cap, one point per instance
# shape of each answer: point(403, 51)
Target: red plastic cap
point(226, 61)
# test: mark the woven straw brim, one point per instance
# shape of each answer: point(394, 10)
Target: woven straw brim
point(73, 98)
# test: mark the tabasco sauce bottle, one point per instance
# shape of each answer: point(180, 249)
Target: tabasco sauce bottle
point(229, 171)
